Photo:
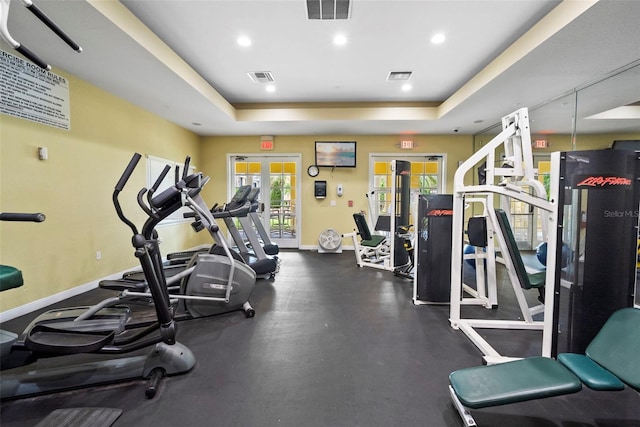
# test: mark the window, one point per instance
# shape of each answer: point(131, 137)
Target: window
point(427, 177)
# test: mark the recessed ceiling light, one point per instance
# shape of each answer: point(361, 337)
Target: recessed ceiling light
point(340, 40)
point(244, 41)
point(270, 88)
point(406, 87)
point(438, 38)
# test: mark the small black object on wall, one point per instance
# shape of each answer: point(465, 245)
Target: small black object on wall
point(320, 189)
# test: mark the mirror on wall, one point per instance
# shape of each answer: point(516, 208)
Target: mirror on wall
point(610, 106)
point(590, 117)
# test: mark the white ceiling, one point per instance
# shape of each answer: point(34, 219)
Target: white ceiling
point(180, 60)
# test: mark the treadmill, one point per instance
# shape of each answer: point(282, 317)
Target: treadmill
point(268, 246)
point(240, 207)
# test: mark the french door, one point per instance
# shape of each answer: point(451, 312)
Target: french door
point(278, 178)
point(428, 173)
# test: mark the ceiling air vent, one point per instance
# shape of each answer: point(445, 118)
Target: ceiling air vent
point(399, 75)
point(261, 76)
point(328, 9)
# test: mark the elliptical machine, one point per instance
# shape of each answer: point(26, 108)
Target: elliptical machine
point(103, 332)
point(211, 283)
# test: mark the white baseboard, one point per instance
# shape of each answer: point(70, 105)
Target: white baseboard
point(52, 299)
point(315, 248)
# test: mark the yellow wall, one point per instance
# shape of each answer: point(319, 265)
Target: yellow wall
point(73, 189)
point(318, 215)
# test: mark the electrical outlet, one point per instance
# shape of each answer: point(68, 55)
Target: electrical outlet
point(333, 203)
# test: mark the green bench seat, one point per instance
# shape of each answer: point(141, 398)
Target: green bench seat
point(610, 362)
point(373, 242)
point(512, 382)
point(10, 277)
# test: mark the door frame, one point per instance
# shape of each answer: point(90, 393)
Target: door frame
point(296, 157)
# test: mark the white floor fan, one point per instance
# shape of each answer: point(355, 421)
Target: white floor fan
point(330, 241)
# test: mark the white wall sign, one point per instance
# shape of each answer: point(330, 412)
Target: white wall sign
point(31, 93)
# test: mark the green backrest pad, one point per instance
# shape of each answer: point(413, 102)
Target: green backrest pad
point(363, 227)
point(367, 239)
point(10, 277)
point(526, 281)
point(617, 346)
point(590, 373)
point(511, 382)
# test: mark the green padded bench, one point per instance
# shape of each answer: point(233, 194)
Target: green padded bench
point(10, 277)
point(610, 362)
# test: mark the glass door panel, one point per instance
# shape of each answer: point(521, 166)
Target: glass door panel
point(427, 177)
point(277, 177)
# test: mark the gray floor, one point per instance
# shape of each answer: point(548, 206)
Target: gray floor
point(331, 345)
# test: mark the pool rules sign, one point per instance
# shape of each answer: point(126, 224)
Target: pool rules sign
point(31, 93)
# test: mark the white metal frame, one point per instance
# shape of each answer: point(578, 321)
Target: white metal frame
point(378, 257)
point(485, 293)
point(506, 182)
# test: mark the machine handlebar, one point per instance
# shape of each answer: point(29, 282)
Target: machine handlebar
point(52, 25)
point(128, 171)
point(33, 57)
point(185, 168)
point(22, 217)
point(164, 173)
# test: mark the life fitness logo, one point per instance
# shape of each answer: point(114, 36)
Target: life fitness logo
point(601, 181)
point(440, 212)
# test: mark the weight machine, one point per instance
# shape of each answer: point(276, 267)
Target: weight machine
point(386, 247)
point(507, 181)
point(591, 226)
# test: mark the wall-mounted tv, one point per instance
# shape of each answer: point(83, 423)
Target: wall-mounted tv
point(336, 154)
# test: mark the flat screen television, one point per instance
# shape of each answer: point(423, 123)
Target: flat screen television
point(336, 154)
